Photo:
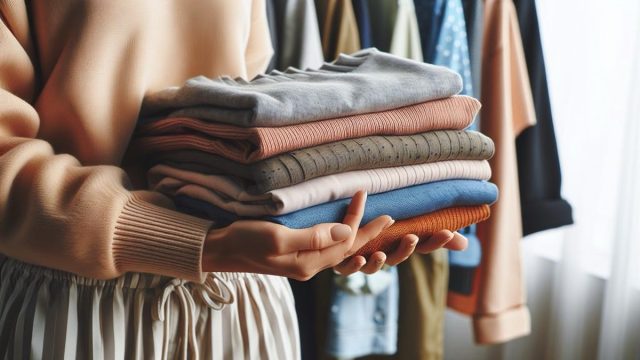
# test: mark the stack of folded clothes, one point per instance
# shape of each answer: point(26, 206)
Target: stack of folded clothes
point(292, 147)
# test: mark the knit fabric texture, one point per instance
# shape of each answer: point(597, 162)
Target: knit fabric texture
point(400, 204)
point(247, 145)
point(366, 81)
point(231, 194)
point(341, 156)
point(425, 225)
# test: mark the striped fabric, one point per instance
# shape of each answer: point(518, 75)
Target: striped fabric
point(48, 314)
point(347, 155)
point(248, 145)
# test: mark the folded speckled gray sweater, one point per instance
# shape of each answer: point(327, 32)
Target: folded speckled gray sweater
point(364, 82)
point(369, 152)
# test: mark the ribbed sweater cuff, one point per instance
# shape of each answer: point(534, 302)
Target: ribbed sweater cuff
point(152, 239)
point(502, 327)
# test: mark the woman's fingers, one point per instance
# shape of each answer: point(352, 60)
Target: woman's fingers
point(355, 211)
point(457, 243)
point(405, 249)
point(326, 257)
point(375, 263)
point(370, 231)
point(350, 266)
point(434, 242)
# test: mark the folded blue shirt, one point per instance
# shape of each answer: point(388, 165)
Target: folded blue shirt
point(400, 204)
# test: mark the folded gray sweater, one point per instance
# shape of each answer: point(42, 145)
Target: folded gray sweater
point(366, 81)
point(369, 152)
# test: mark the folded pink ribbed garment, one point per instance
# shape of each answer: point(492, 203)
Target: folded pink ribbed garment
point(247, 145)
point(230, 193)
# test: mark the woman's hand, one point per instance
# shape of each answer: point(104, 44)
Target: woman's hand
point(264, 247)
point(408, 244)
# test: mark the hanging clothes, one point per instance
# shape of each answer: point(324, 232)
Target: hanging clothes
point(405, 40)
point(423, 293)
point(273, 34)
point(361, 9)
point(383, 19)
point(473, 18)
point(298, 42)
point(498, 301)
point(451, 45)
point(542, 205)
point(365, 321)
point(396, 27)
point(339, 29)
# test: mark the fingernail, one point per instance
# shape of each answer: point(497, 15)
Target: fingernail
point(379, 261)
point(389, 223)
point(340, 232)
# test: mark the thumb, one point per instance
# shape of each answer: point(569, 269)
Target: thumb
point(371, 231)
point(340, 232)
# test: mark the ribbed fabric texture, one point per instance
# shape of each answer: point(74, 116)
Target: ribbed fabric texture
point(346, 155)
point(231, 194)
point(425, 225)
point(366, 81)
point(399, 204)
point(147, 237)
point(247, 145)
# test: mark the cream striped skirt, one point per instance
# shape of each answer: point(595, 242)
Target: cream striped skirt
point(49, 314)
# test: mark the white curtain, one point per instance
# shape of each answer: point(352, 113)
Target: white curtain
point(583, 281)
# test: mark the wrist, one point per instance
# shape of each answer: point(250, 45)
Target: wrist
point(214, 249)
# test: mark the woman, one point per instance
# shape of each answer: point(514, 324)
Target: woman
point(93, 267)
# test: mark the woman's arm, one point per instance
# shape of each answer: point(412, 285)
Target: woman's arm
point(57, 213)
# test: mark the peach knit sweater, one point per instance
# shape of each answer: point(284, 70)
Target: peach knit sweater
point(72, 78)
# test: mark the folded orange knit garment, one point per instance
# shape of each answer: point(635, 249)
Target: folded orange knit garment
point(246, 145)
point(453, 218)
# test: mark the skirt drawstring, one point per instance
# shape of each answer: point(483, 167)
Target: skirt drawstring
point(215, 293)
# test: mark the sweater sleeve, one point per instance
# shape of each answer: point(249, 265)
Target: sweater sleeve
point(54, 212)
